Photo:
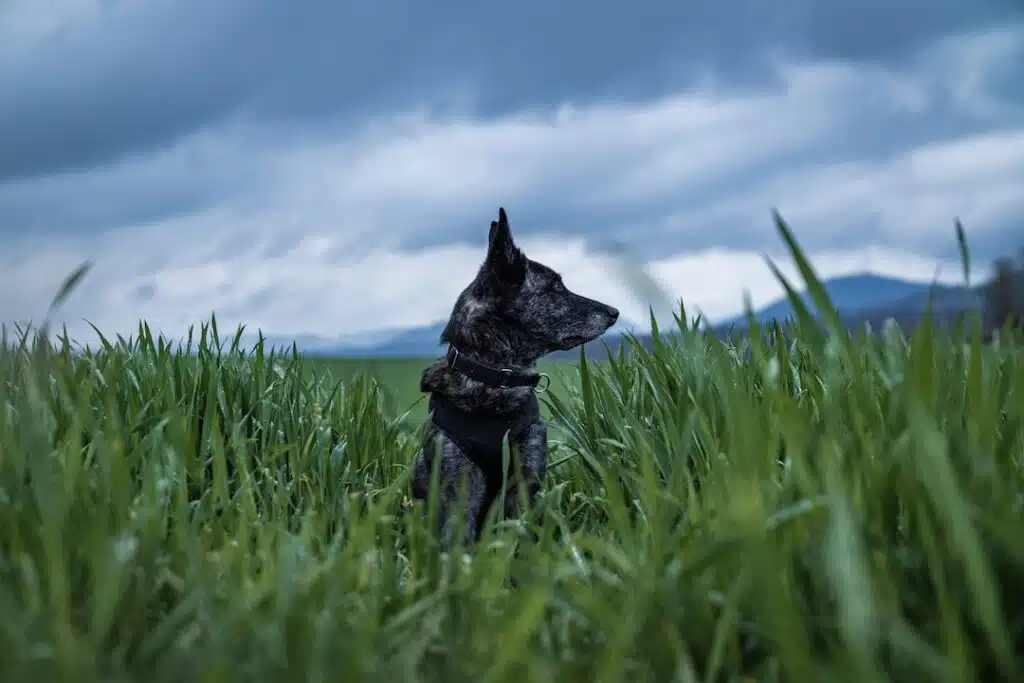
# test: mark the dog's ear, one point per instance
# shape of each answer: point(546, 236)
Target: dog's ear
point(500, 224)
point(505, 263)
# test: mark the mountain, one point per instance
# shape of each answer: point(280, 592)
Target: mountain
point(416, 341)
point(859, 298)
point(849, 294)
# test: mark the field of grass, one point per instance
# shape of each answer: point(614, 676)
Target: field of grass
point(399, 379)
point(829, 509)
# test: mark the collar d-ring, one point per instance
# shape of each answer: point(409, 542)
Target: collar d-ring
point(543, 382)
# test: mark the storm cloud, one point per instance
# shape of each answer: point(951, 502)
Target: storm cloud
point(270, 163)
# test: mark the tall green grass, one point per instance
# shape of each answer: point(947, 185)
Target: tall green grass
point(807, 506)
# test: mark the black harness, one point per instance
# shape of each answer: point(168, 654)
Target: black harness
point(480, 435)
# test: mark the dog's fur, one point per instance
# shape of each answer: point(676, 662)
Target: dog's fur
point(513, 313)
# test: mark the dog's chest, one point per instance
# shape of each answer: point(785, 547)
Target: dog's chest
point(480, 436)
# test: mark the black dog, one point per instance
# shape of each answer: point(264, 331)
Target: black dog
point(514, 312)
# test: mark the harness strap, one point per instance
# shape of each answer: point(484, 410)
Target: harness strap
point(480, 435)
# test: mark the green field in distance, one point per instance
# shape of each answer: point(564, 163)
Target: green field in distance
point(401, 376)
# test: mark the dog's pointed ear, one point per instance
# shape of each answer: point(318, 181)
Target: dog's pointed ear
point(505, 263)
point(500, 224)
point(500, 236)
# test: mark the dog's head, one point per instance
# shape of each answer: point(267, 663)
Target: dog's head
point(524, 303)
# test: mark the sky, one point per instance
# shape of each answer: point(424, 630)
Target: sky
point(331, 167)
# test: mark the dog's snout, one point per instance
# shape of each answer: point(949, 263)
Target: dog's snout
point(609, 314)
point(603, 317)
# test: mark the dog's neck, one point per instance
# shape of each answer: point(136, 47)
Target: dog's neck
point(500, 356)
point(481, 334)
point(472, 395)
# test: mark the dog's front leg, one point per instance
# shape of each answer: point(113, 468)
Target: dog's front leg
point(433, 450)
point(467, 484)
point(533, 465)
point(420, 478)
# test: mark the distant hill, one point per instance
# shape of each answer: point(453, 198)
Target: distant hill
point(868, 297)
point(414, 342)
point(852, 294)
point(859, 298)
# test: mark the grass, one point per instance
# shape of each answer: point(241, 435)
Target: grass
point(399, 378)
point(834, 508)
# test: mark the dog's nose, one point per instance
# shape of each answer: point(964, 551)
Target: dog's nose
point(613, 313)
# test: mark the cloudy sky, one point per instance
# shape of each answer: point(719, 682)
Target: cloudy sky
point(330, 167)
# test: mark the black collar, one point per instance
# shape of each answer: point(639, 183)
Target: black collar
point(492, 376)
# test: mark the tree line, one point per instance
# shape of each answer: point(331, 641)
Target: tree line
point(1004, 293)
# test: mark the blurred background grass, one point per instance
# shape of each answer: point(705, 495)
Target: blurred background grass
point(400, 378)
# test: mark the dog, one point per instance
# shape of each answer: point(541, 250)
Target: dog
point(513, 313)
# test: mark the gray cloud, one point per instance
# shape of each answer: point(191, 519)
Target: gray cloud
point(691, 170)
point(142, 75)
point(144, 292)
point(293, 170)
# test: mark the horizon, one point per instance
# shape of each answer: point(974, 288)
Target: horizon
point(374, 345)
